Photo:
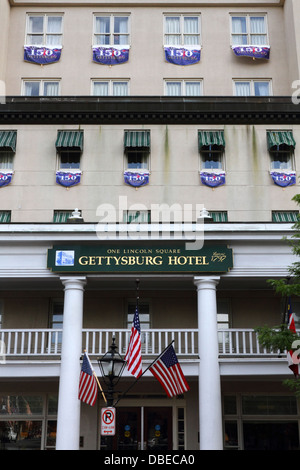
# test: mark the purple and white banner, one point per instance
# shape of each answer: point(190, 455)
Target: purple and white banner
point(42, 55)
point(283, 179)
point(5, 178)
point(67, 178)
point(256, 52)
point(108, 55)
point(212, 179)
point(136, 179)
point(182, 55)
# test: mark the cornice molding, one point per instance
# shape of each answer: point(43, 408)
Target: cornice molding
point(149, 110)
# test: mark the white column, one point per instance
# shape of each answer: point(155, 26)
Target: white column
point(68, 415)
point(210, 408)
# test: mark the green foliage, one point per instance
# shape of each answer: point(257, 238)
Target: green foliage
point(279, 338)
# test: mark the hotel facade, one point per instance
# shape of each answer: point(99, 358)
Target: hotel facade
point(154, 145)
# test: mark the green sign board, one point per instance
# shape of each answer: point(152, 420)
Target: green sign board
point(104, 258)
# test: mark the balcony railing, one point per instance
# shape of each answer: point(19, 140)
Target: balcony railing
point(46, 343)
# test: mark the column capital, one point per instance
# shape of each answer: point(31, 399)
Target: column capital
point(203, 282)
point(73, 282)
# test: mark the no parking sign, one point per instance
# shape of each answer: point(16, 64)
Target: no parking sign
point(108, 421)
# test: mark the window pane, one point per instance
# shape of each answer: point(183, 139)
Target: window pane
point(120, 89)
point(269, 405)
point(6, 160)
point(172, 36)
point(54, 24)
point(36, 24)
point(191, 31)
point(121, 30)
point(35, 40)
point(239, 30)
point(193, 88)
point(101, 88)
point(21, 405)
point(261, 89)
point(102, 30)
point(32, 88)
point(20, 435)
point(51, 89)
point(173, 89)
point(69, 159)
point(242, 89)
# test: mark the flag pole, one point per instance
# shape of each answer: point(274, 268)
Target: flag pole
point(99, 385)
point(138, 378)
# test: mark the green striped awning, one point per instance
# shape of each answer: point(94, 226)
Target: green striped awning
point(5, 217)
point(277, 138)
point(285, 216)
point(8, 140)
point(69, 139)
point(206, 138)
point(219, 216)
point(137, 139)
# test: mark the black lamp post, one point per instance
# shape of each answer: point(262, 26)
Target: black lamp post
point(111, 367)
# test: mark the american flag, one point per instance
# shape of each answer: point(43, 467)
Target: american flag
point(168, 372)
point(134, 351)
point(294, 366)
point(88, 389)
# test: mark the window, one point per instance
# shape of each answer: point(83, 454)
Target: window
point(56, 323)
point(132, 216)
point(137, 149)
point(249, 30)
point(211, 147)
point(41, 88)
point(44, 30)
point(183, 87)
point(182, 30)
point(111, 30)
point(69, 146)
point(281, 145)
point(8, 141)
point(252, 87)
point(110, 88)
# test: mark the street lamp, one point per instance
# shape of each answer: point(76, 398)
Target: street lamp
point(111, 366)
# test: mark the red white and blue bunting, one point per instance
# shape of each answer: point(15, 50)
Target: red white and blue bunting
point(110, 55)
point(283, 179)
point(212, 179)
point(42, 55)
point(256, 52)
point(182, 55)
point(68, 179)
point(136, 179)
point(5, 178)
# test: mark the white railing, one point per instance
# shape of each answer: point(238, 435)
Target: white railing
point(46, 343)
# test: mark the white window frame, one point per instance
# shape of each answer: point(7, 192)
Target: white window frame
point(248, 29)
point(183, 83)
point(111, 33)
point(41, 85)
point(45, 27)
point(252, 81)
point(181, 33)
point(110, 83)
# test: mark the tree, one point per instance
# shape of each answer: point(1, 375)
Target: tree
point(280, 337)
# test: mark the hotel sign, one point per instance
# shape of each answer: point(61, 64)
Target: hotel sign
point(138, 259)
